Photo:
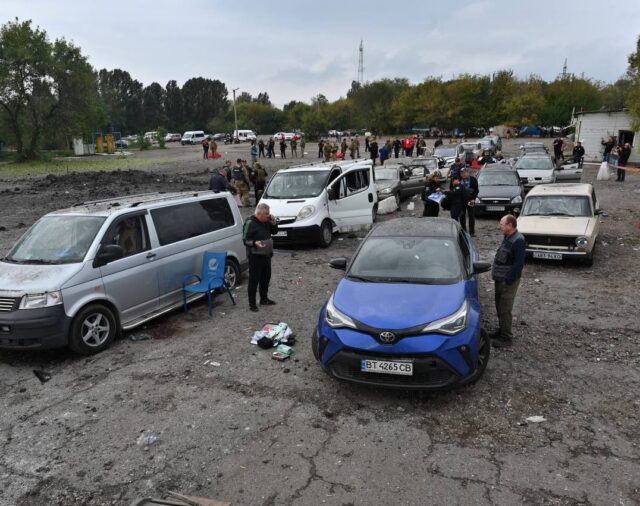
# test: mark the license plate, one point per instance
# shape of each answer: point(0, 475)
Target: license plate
point(547, 256)
point(387, 367)
point(496, 208)
point(280, 234)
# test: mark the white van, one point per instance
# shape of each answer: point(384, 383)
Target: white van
point(244, 135)
point(312, 202)
point(79, 276)
point(192, 137)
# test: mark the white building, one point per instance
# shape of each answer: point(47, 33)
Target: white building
point(594, 126)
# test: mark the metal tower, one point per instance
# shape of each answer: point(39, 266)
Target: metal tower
point(361, 63)
point(564, 69)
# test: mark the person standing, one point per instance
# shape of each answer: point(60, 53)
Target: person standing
point(259, 180)
point(326, 148)
point(608, 146)
point(373, 150)
point(457, 198)
point(205, 148)
point(241, 180)
point(396, 147)
point(507, 270)
point(456, 168)
point(344, 146)
point(257, 238)
point(357, 147)
point(271, 148)
point(557, 150)
point(384, 153)
point(321, 147)
point(470, 184)
point(578, 154)
point(302, 146)
point(431, 191)
point(254, 153)
point(367, 144)
point(213, 147)
point(437, 143)
point(219, 182)
point(625, 153)
point(261, 149)
point(283, 148)
point(352, 149)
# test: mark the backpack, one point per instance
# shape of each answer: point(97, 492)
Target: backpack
point(446, 203)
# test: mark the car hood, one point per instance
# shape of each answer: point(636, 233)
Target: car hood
point(288, 207)
point(386, 183)
point(397, 306)
point(554, 225)
point(19, 279)
point(498, 191)
point(535, 172)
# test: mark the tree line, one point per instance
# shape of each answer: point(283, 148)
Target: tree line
point(49, 92)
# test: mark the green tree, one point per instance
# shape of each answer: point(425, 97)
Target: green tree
point(263, 98)
point(373, 101)
point(44, 87)
point(122, 96)
point(203, 99)
point(173, 106)
point(563, 96)
point(153, 107)
point(633, 97)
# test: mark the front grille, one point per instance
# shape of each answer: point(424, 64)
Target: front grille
point(550, 240)
point(428, 371)
point(495, 201)
point(7, 304)
point(286, 221)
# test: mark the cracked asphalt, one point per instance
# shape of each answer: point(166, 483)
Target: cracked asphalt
point(254, 431)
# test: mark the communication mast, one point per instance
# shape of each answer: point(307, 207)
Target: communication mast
point(361, 63)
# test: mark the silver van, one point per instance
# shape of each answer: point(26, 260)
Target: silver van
point(79, 276)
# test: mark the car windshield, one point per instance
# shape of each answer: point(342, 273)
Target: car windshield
point(541, 163)
point(487, 144)
point(429, 163)
point(557, 205)
point(428, 260)
point(445, 151)
point(383, 174)
point(298, 184)
point(502, 178)
point(56, 240)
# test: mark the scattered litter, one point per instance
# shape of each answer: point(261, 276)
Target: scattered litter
point(272, 335)
point(43, 376)
point(139, 337)
point(212, 363)
point(535, 419)
point(537, 280)
point(410, 206)
point(297, 281)
point(147, 439)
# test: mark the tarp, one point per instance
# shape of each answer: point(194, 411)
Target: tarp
point(530, 131)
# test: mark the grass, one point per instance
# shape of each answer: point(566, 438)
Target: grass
point(66, 165)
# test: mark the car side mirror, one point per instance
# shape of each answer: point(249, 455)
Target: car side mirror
point(338, 263)
point(332, 193)
point(598, 211)
point(108, 253)
point(480, 267)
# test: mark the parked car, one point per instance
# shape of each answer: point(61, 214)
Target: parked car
point(536, 169)
point(406, 313)
point(172, 138)
point(499, 190)
point(488, 145)
point(447, 154)
point(311, 202)
point(533, 147)
point(496, 139)
point(561, 221)
point(80, 276)
point(151, 136)
point(244, 135)
point(122, 143)
point(219, 137)
point(398, 181)
point(287, 136)
point(192, 137)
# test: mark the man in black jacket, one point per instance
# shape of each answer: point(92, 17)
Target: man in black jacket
point(257, 238)
point(456, 198)
point(219, 183)
point(470, 184)
point(625, 153)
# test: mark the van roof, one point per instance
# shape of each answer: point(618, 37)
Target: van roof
point(561, 189)
point(324, 165)
point(107, 207)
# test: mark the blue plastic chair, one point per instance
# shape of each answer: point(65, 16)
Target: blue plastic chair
point(213, 268)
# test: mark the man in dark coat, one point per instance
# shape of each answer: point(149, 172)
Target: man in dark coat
point(257, 238)
point(457, 198)
point(470, 184)
point(219, 182)
point(625, 153)
point(373, 150)
point(578, 154)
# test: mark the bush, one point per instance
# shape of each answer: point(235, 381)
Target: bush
point(161, 134)
point(143, 143)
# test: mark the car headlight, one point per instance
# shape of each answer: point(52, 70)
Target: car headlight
point(547, 179)
point(305, 212)
point(478, 201)
point(582, 241)
point(385, 190)
point(335, 318)
point(516, 200)
point(38, 300)
point(451, 324)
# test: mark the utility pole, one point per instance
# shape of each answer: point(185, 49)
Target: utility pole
point(235, 113)
point(361, 63)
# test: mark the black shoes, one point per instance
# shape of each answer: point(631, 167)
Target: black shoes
point(267, 302)
point(253, 308)
point(501, 343)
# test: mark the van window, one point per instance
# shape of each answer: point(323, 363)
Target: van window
point(354, 182)
point(182, 221)
point(130, 233)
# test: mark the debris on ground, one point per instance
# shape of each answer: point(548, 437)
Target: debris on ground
point(43, 376)
point(139, 337)
point(272, 335)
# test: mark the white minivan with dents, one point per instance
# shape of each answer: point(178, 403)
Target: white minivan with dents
point(311, 202)
point(80, 276)
point(560, 221)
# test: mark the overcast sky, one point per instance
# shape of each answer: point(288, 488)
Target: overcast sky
point(295, 49)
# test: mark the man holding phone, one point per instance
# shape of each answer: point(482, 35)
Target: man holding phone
point(257, 238)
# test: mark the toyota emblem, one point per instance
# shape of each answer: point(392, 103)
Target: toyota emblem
point(387, 337)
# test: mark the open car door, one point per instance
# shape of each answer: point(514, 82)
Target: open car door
point(352, 199)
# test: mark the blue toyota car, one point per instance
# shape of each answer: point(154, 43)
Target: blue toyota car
point(406, 313)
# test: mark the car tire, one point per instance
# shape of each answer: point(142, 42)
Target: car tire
point(326, 234)
point(93, 330)
point(484, 353)
point(315, 345)
point(374, 213)
point(232, 274)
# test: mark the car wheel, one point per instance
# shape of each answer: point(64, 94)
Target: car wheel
point(326, 234)
point(232, 274)
point(93, 330)
point(315, 345)
point(588, 260)
point(374, 213)
point(484, 352)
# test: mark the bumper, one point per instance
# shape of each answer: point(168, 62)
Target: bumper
point(439, 362)
point(293, 235)
point(34, 328)
point(547, 254)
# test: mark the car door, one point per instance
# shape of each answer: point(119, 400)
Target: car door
point(131, 281)
point(415, 184)
point(351, 199)
point(568, 173)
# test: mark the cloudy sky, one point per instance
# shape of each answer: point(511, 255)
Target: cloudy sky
point(295, 49)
